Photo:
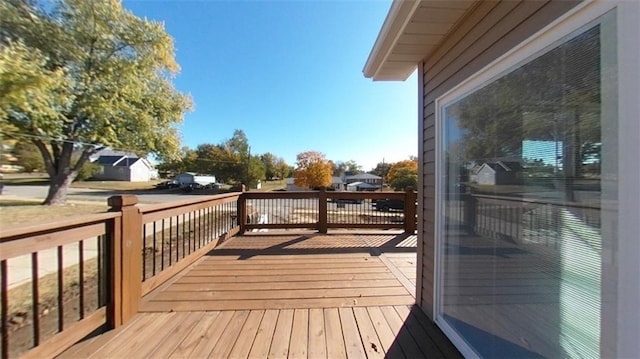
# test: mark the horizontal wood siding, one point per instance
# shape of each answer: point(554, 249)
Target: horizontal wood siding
point(492, 29)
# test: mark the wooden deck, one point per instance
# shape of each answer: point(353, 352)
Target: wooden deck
point(285, 295)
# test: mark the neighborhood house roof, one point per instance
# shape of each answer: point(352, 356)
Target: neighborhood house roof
point(501, 166)
point(127, 161)
point(108, 160)
point(363, 176)
point(362, 185)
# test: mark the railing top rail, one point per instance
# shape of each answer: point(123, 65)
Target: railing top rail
point(55, 226)
point(175, 204)
point(315, 194)
point(537, 201)
point(281, 194)
point(371, 195)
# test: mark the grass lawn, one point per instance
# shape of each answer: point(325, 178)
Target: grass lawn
point(272, 186)
point(23, 212)
point(41, 179)
point(116, 185)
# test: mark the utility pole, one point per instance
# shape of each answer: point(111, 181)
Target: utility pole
point(383, 176)
point(248, 161)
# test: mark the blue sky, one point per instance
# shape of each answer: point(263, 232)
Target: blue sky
point(289, 74)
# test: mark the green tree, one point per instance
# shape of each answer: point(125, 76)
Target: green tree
point(348, 168)
point(313, 170)
point(77, 76)
point(381, 169)
point(283, 169)
point(255, 172)
point(404, 176)
point(87, 171)
point(185, 163)
point(269, 160)
point(28, 156)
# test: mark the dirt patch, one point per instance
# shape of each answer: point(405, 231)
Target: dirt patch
point(20, 308)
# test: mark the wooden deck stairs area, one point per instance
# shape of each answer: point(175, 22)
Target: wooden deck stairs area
point(284, 295)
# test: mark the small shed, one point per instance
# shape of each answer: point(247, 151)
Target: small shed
point(499, 173)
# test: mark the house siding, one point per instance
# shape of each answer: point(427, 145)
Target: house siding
point(480, 38)
point(139, 172)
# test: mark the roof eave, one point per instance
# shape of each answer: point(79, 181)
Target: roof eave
point(394, 24)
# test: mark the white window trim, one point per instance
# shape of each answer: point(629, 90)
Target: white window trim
point(628, 251)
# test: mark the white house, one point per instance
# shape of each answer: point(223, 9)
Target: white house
point(499, 173)
point(549, 272)
point(371, 182)
point(125, 168)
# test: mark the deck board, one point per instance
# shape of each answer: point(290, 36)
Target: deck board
point(335, 341)
point(351, 335)
point(262, 341)
point(229, 336)
point(317, 334)
point(282, 335)
point(286, 296)
point(299, 334)
point(243, 344)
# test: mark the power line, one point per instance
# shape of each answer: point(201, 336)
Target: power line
point(48, 138)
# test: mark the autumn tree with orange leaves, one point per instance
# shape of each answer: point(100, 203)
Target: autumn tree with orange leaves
point(313, 170)
point(411, 164)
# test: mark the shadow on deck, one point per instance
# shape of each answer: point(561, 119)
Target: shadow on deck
point(296, 295)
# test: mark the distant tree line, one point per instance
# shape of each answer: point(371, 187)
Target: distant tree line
point(232, 162)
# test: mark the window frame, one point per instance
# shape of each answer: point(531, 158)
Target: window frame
point(626, 254)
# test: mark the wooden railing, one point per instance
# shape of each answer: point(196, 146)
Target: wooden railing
point(520, 219)
point(98, 267)
point(89, 273)
point(73, 300)
point(322, 210)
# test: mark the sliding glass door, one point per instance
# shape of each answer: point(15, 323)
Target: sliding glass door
point(528, 199)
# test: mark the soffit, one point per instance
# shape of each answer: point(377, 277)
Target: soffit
point(411, 32)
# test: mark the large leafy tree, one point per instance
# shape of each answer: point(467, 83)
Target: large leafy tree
point(77, 76)
point(313, 170)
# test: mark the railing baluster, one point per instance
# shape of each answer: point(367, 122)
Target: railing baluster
point(200, 228)
point(4, 305)
point(183, 234)
point(144, 252)
point(217, 220)
point(153, 251)
point(99, 270)
point(34, 299)
point(60, 289)
point(170, 240)
point(162, 247)
point(81, 278)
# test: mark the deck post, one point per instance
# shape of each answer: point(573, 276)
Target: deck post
point(322, 211)
point(410, 198)
point(242, 210)
point(126, 260)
